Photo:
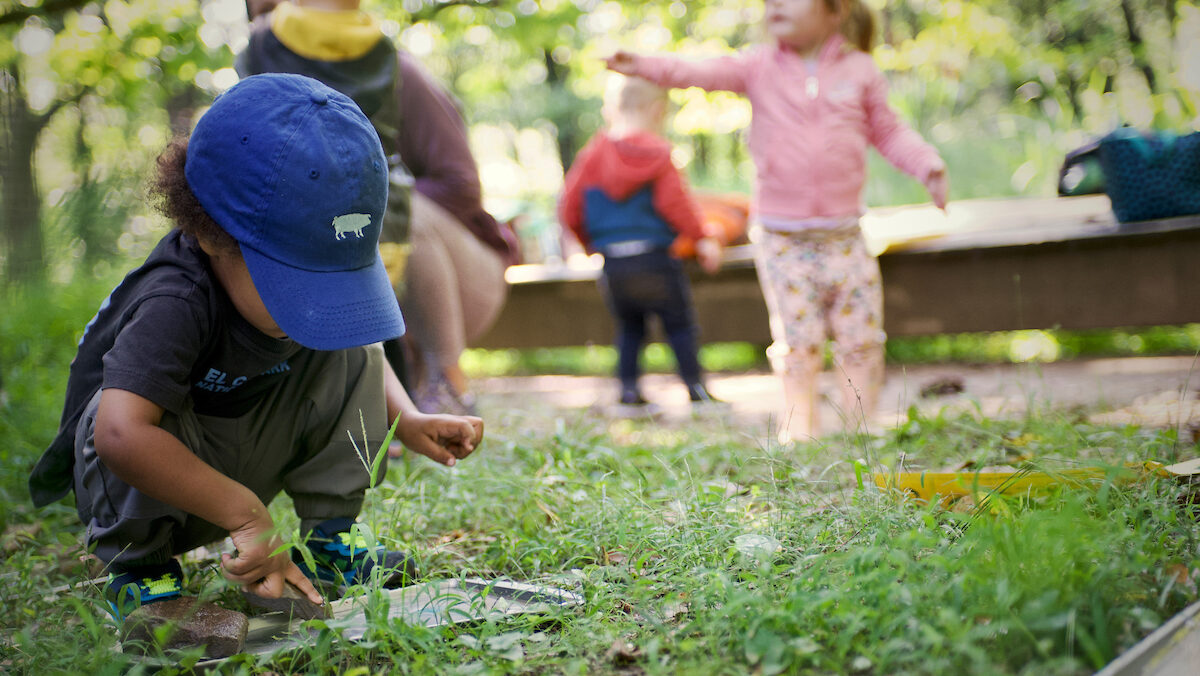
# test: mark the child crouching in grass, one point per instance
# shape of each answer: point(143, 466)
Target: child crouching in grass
point(233, 363)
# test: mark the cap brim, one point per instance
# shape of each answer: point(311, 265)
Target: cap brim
point(327, 310)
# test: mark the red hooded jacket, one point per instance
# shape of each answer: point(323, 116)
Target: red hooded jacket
point(615, 172)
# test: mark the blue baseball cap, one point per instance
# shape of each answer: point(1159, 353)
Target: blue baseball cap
point(295, 172)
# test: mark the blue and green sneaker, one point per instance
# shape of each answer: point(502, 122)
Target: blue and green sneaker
point(129, 589)
point(344, 557)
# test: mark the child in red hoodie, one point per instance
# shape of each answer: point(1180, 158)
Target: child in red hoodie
point(624, 199)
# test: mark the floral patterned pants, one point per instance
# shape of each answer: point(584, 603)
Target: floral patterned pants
point(818, 285)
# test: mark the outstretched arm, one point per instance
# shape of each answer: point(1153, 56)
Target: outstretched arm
point(726, 73)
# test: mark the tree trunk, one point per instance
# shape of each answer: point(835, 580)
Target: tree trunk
point(700, 144)
point(85, 204)
point(181, 108)
point(1137, 45)
point(565, 124)
point(1073, 95)
point(20, 206)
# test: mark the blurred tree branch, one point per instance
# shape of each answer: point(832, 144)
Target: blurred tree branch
point(13, 13)
point(429, 12)
point(1137, 44)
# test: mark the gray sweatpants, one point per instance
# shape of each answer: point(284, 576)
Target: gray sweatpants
point(294, 440)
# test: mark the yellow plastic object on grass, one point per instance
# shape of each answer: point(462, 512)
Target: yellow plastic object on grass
point(952, 485)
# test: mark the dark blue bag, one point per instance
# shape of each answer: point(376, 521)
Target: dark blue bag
point(1150, 175)
point(1081, 173)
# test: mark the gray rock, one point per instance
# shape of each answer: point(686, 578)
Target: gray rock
point(192, 623)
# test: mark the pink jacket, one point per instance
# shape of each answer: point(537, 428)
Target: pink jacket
point(808, 137)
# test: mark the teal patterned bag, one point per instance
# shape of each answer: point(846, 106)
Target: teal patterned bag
point(1151, 175)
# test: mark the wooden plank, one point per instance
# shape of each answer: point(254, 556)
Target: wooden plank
point(991, 265)
point(1171, 650)
point(1130, 279)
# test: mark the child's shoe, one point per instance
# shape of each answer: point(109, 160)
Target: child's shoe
point(702, 400)
point(130, 589)
point(633, 405)
point(344, 558)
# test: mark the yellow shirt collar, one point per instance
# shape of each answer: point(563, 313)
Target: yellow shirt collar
point(325, 35)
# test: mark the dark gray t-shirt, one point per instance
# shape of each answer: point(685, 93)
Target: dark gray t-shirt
point(168, 333)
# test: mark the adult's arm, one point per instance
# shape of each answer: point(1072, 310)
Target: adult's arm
point(433, 141)
point(256, 8)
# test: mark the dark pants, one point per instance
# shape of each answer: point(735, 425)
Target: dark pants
point(638, 287)
point(294, 440)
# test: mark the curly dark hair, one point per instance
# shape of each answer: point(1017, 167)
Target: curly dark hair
point(175, 199)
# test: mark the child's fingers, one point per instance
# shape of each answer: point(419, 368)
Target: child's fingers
point(297, 577)
point(274, 584)
point(618, 61)
point(242, 569)
point(463, 437)
point(475, 433)
point(269, 586)
point(429, 448)
point(458, 430)
point(939, 189)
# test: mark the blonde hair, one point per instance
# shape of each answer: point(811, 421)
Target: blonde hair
point(627, 94)
point(858, 24)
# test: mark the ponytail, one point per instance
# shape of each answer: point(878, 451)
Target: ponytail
point(859, 25)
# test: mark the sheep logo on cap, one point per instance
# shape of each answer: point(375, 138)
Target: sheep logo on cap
point(347, 223)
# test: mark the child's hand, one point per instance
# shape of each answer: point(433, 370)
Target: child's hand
point(443, 438)
point(708, 254)
point(938, 186)
point(260, 571)
point(621, 61)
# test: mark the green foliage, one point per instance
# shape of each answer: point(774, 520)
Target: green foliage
point(99, 87)
point(978, 348)
point(40, 327)
point(1052, 345)
point(1015, 83)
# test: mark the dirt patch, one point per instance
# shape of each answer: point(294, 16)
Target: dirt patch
point(1148, 391)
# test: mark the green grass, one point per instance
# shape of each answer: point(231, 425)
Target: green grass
point(644, 519)
point(976, 348)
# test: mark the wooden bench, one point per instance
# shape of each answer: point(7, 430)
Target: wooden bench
point(987, 265)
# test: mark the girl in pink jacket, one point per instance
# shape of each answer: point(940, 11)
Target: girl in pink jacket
point(818, 100)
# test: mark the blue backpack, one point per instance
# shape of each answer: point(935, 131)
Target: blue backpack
point(1151, 175)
